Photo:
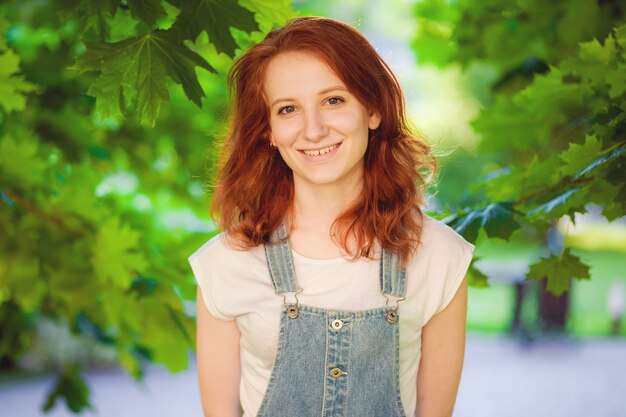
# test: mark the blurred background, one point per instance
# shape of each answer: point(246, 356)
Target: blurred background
point(111, 114)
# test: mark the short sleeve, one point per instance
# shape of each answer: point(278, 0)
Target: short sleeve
point(205, 267)
point(446, 257)
point(460, 259)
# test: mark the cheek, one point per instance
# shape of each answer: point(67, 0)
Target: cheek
point(283, 132)
point(355, 122)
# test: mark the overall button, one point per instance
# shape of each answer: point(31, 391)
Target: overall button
point(336, 373)
point(292, 311)
point(337, 324)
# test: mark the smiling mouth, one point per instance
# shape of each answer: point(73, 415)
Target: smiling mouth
point(322, 151)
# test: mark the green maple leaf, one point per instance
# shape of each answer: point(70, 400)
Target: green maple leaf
point(594, 52)
point(20, 162)
point(603, 159)
point(71, 386)
point(116, 257)
point(146, 10)
point(17, 278)
point(215, 17)
point(606, 194)
point(140, 66)
point(497, 219)
point(275, 12)
point(119, 27)
point(539, 172)
point(162, 334)
point(577, 157)
point(475, 277)
point(569, 202)
point(13, 86)
point(592, 60)
point(615, 76)
point(558, 271)
point(524, 179)
point(548, 98)
point(75, 196)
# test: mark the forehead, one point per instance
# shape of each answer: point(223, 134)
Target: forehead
point(297, 73)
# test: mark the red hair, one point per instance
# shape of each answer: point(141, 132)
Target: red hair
point(255, 190)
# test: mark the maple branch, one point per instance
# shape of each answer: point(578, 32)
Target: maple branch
point(544, 191)
point(33, 209)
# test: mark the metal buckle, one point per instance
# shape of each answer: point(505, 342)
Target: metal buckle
point(292, 309)
point(392, 312)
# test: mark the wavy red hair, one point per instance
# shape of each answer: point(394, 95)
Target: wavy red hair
point(254, 191)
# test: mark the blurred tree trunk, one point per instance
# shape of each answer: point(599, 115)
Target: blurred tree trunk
point(552, 309)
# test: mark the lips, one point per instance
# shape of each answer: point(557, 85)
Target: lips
point(320, 151)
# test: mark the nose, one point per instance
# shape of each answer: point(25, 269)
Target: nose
point(314, 126)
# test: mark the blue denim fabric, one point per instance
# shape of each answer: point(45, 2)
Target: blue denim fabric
point(333, 363)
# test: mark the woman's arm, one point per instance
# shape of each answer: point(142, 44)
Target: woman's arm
point(218, 363)
point(443, 347)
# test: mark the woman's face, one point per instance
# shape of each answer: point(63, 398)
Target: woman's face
point(318, 126)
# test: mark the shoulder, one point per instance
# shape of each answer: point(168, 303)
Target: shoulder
point(437, 236)
point(224, 273)
point(212, 246)
point(218, 251)
point(218, 262)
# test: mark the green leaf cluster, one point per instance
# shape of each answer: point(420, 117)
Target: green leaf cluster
point(564, 135)
point(552, 127)
point(13, 86)
point(133, 72)
point(72, 388)
point(516, 36)
point(559, 270)
point(103, 151)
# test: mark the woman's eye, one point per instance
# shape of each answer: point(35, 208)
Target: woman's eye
point(286, 109)
point(335, 100)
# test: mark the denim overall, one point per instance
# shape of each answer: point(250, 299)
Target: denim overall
point(333, 363)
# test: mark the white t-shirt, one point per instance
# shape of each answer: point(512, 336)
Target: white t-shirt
point(236, 285)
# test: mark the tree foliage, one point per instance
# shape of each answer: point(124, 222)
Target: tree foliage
point(107, 109)
point(553, 119)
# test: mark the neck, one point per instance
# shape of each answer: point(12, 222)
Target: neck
point(315, 210)
point(318, 206)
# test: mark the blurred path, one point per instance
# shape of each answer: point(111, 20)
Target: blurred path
point(502, 378)
point(551, 378)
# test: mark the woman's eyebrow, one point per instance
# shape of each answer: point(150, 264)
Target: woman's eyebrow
point(324, 91)
point(334, 88)
point(278, 100)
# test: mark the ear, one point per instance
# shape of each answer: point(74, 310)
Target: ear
point(374, 120)
point(271, 142)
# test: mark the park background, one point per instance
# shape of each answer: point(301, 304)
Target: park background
point(110, 117)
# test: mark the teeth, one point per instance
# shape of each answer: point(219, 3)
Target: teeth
point(321, 151)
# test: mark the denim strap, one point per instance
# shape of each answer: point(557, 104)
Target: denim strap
point(280, 262)
point(283, 275)
point(392, 275)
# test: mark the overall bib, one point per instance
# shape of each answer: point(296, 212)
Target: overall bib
point(333, 363)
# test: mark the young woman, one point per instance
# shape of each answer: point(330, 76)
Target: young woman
point(330, 292)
